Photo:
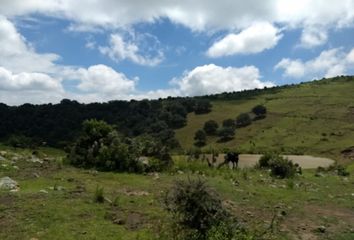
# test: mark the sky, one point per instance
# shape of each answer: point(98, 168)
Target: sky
point(102, 50)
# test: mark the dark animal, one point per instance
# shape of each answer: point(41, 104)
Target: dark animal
point(231, 157)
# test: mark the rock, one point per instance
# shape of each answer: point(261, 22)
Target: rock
point(15, 167)
point(43, 191)
point(8, 184)
point(119, 221)
point(156, 176)
point(321, 229)
point(36, 175)
point(2, 158)
point(35, 159)
point(318, 174)
point(180, 172)
point(3, 153)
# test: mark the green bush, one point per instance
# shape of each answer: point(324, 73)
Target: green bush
point(100, 146)
point(279, 166)
point(99, 195)
point(282, 167)
point(195, 206)
point(243, 120)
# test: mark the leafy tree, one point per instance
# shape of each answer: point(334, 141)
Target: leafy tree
point(260, 111)
point(243, 120)
point(202, 106)
point(200, 138)
point(229, 123)
point(226, 133)
point(211, 127)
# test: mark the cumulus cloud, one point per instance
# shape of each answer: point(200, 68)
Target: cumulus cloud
point(313, 37)
point(120, 49)
point(27, 81)
point(209, 79)
point(329, 63)
point(103, 79)
point(28, 87)
point(257, 38)
point(18, 56)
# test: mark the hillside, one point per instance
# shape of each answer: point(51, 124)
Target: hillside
point(315, 118)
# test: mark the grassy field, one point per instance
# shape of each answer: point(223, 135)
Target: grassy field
point(301, 205)
point(315, 118)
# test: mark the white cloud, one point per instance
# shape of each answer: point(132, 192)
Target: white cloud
point(350, 56)
point(329, 63)
point(313, 37)
point(210, 79)
point(27, 81)
point(28, 87)
point(18, 56)
point(120, 49)
point(105, 80)
point(257, 38)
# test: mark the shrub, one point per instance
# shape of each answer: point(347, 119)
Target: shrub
point(200, 138)
point(260, 111)
point(282, 167)
point(195, 207)
point(229, 123)
point(226, 133)
point(210, 127)
point(99, 195)
point(243, 120)
point(202, 106)
point(265, 160)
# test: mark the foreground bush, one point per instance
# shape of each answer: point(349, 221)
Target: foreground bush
point(279, 166)
point(100, 146)
point(199, 214)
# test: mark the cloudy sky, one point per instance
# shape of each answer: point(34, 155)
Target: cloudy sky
point(100, 50)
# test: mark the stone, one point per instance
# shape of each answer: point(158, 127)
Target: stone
point(43, 191)
point(8, 184)
point(34, 159)
point(2, 158)
point(321, 229)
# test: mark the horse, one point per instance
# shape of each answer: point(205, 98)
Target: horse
point(230, 157)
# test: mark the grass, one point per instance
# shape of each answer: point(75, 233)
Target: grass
point(313, 118)
point(73, 214)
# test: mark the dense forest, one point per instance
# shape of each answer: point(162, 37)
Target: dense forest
point(58, 124)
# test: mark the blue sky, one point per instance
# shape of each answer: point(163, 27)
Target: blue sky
point(106, 50)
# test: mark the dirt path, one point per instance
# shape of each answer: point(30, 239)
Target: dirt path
point(305, 161)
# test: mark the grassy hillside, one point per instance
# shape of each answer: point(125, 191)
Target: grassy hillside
point(313, 118)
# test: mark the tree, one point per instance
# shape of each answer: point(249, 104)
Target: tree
point(200, 138)
point(243, 120)
point(226, 133)
point(202, 106)
point(260, 111)
point(211, 127)
point(229, 123)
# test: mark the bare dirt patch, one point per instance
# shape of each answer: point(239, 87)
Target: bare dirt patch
point(250, 160)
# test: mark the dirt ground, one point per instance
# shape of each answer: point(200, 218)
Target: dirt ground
point(250, 160)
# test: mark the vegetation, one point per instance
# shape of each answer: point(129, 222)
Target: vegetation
point(226, 133)
point(100, 146)
point(199, 213)
point(200, 138)
point(243, 120)
point(211, 127)
point(260, 111)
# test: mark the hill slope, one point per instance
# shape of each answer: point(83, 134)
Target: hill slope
point(313, 118)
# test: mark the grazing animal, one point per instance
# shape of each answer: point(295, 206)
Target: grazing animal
point(231, 157)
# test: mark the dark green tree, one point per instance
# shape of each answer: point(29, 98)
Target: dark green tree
point(226, 133)
point(229, 123)
point(200, 138)
point(202, 106)
point(210, 127)
point(243, 120)
point(260, 111)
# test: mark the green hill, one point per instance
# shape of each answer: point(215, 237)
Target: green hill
point(312, 118)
